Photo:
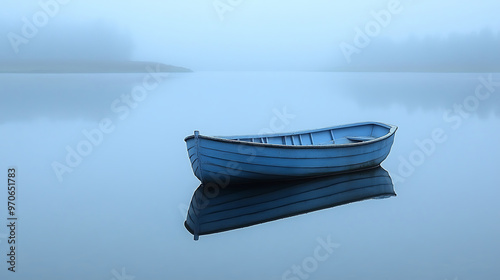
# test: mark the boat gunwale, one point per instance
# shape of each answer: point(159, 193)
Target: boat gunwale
point(392, 130)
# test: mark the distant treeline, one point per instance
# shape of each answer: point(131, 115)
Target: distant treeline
point(473, 52)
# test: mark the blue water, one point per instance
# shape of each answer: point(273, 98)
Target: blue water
point(121, 201)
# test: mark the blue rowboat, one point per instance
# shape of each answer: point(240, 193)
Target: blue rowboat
point(237, 159)
point(213, 211)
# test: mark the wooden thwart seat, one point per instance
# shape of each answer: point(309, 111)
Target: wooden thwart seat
point(360, 138)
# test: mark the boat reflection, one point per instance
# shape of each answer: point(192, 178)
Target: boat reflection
point(215, 210)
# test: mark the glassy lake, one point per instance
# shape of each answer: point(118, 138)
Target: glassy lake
point(104, 180)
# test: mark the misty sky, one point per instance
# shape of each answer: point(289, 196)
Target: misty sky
point(258, 35)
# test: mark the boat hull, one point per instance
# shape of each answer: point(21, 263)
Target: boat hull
point(227, 161)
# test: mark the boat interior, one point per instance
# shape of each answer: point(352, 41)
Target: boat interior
point(328, 136)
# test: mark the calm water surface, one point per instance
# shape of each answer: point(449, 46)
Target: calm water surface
point(104, 180)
